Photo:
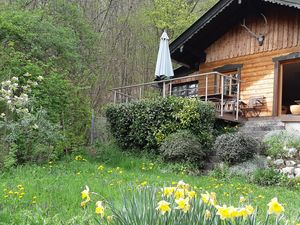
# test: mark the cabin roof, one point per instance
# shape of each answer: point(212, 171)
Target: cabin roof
point(188, 48)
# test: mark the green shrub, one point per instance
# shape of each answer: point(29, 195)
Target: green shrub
point(235, 148)
point(268, 177)
point(277, 143)
point(145, 124)
point(182, 146)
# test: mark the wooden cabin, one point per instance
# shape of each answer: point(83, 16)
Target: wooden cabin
point(254, 41)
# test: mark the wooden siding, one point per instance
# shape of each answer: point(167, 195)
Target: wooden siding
point(237, 46)
point(282, 32)
point(257, 74)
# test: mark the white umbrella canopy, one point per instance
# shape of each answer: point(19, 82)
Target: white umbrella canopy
point(164, 66)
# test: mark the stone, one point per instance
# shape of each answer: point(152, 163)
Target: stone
point(298, 166)
point(269, 158)
point(288, 170)
point(297, 172)
point(290, 176)
point(292, 152)
point(279, 162)
point(290, 163)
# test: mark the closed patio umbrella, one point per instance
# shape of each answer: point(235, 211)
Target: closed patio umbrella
point(164, 68)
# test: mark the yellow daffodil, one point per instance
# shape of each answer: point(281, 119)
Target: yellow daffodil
point(168, 191)
point(163, 207)
point(85, 193)
point(209, 198)
point(207, 214)
point(179, 193)
point(192, 194)
point(183, 204)
point(225, 212)
point(99, 209)
point(250, 209)
point(182, 185)
point(275, 207)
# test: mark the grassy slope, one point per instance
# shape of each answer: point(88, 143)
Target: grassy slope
point(57, 188)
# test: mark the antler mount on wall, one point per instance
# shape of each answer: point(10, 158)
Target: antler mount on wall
point(259, 37)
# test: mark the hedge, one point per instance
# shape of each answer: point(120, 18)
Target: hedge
point(145, 124)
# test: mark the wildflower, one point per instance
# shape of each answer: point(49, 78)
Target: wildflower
point(242, 199)
point(207, 214)
point(143, 184)
point(179, 193)
point(192, 194)
point(275, 207)
point(168, 191)
point(40, 78)
point(163, 207)
point(78, 158)
point(2, 115)
point(101, 167)
point(250, 209)
point(85, 195)
point(109, 218)
point(225, 212)
point(183, 204)
point(182, 185)
point(99, 209)
point(209, 198)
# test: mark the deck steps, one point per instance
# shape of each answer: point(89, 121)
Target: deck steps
point(259, 127)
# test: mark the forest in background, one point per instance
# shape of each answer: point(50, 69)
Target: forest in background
point(60, 58)
point(118, 38)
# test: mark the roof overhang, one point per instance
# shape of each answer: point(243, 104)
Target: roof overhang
point(188, 49)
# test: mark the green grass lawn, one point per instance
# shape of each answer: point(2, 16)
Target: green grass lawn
point(52, 191)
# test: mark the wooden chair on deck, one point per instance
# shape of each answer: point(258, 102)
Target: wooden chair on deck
point(253, 107)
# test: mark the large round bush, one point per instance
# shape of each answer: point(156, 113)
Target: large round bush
point(182, 146)
point(235, 147)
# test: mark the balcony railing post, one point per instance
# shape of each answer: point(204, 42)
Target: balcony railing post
point(164, 89)
point(115, 97)
point(222, 95)
point(170, 88)
point(140, 93)
point(206, 87)
point(237, 100)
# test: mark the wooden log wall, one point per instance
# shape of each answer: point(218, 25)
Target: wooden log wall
point(237, 46)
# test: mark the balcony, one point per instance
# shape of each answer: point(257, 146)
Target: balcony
point(223, 91)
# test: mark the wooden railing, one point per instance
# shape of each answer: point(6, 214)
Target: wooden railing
point(221, 89)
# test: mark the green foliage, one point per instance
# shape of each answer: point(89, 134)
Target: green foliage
point(182, 146)
point(278, 142)
point(49, 42)
point(173, 15)
point(234, 148)
point(268, 177)
point(145, 124)
point(31, 138)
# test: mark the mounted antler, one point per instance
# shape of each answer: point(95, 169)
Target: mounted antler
point(261, 36)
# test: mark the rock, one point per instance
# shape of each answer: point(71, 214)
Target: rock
point(297, 172)
point(279, 162)
point(288, 170)
point(290, 163)
point(290, 176)
point(269, 158)
point(292, 152)
point(298, 166)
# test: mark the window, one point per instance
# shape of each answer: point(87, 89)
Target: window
point(230, 85)
point(185, 89)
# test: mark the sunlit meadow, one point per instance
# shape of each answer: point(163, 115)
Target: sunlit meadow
point(97, 190)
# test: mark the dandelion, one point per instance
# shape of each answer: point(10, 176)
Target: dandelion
point(143, 184)
point(163, 207)
point(275, 207)
point(78, 158)
point(183, 204)
point(99, 209)
point(101, 167)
